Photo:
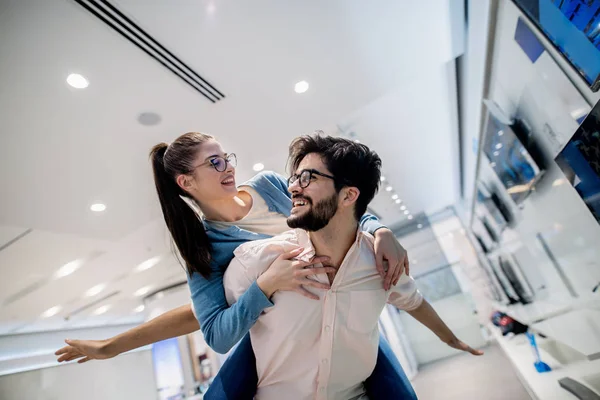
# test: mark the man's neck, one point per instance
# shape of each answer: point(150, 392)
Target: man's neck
point(335, 239)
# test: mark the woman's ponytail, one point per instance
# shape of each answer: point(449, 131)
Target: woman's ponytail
point(185, 226)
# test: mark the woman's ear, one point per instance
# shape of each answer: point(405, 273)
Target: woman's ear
point(184, 182)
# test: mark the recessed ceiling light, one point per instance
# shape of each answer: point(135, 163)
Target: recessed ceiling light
point(496, 153)
point(395, 197)
point(500, 133)
point(301, 87)
point(91, 292)
point(77, 81)
point(493, 164)
point(98, 207)
point(389, 189)
point(51, 312)
point(420, 226)
point(398, 201)
point(101, 310)
point(499, 146)
point(142, 291)
point(140, 308)
point(68, 268)
point(382, 179)
point(258, 167)
point(149, 263)
point(403, 208)
point(211, 8)
point(406, 212)
point(410, 217)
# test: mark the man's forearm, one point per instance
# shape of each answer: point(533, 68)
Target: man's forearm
point(426, 315)
point(177, 322)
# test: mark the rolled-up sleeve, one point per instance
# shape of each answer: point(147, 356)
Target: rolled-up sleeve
point(405, 294)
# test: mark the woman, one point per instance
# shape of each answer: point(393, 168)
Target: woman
point(193, 177)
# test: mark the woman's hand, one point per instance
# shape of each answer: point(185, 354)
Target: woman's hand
point(388, 249)
point(285, 273)
point(85, 350)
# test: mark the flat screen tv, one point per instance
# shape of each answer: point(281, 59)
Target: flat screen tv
point(580, 161)
point(573, 28)
point(510, 160)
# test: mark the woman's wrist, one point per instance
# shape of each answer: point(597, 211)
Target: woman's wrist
point(266, 285)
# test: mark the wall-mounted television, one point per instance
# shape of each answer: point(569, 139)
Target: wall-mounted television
point(573, 28)
point(580, 161)
point(510, 160)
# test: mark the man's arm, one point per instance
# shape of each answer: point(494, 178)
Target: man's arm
point(407, 297)
point(177, 322)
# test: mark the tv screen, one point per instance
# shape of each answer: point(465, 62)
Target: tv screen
point(510, 160)
point(573, 28)
point(580, 161)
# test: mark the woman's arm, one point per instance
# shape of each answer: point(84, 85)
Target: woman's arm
point(177, 322)
point(223, 326)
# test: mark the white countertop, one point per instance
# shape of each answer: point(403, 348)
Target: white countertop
point(578, 329)
point(542, 386)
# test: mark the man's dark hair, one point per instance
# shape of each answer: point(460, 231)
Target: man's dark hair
point(351, 163)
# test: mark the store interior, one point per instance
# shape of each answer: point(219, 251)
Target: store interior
point(486, 114)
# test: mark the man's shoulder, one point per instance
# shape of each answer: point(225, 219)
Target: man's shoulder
point(259, 254)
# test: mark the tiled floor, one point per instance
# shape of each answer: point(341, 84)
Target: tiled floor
point(465, 377)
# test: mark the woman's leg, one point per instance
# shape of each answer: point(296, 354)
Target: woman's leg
point(237, 378)
point(388, 380)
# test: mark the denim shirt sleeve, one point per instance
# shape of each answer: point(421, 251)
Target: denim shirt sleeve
point(281, 182)
point(370, 223)
point(224, 326)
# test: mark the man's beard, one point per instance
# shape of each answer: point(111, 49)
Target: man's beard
point(317, 217)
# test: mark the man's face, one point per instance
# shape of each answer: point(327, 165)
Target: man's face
point(315, 205)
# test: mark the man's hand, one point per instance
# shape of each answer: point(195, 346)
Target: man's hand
point(85, 350)
point(388, 249)
point(459, 345)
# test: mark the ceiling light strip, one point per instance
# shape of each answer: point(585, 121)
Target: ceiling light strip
point(147, 47)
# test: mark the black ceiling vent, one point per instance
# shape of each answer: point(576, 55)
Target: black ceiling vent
point(118, 21)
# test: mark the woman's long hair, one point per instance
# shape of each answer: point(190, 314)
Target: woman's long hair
point(187, 231)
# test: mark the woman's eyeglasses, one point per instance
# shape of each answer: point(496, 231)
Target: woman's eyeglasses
point(305, 177)
point(220, 163)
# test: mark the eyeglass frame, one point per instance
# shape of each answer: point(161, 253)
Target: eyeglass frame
point(311, 172)
point(226, 159)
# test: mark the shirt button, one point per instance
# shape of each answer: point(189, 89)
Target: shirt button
point(324, 361)
point(321, 389)
point(327, 328)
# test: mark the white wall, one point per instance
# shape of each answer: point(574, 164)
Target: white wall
point(129, 376)
point(554, 208)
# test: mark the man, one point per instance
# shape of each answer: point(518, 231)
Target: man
point(326, 349)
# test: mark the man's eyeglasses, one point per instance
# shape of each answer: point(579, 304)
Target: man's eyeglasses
point(305, 177)
point(220, 163)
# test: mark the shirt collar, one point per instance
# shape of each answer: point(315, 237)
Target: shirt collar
point(303, 240)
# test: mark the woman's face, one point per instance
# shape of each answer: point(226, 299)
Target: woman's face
point(205, 183)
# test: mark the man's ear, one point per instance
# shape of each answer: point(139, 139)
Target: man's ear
point(349, 195)
point(184, 182)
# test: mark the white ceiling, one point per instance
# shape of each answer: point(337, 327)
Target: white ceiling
point(378, 71)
